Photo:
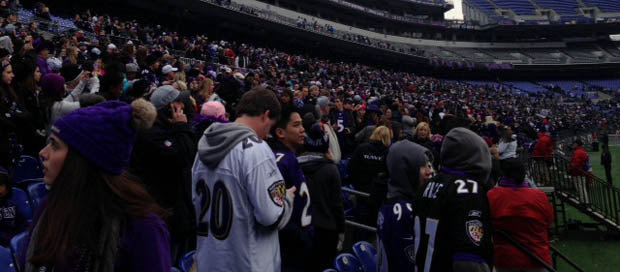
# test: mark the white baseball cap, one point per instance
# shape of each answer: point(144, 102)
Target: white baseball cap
point(168, 69)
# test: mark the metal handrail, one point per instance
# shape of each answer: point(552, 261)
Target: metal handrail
point(525, 250)
point(563, 257)
point(355, 192)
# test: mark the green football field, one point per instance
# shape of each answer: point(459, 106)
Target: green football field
point(599, 170)
point(592, 250)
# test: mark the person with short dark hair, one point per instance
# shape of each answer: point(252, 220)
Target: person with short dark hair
point(240, 196)
point(296, 238)
point(326, 195)
point(523, 213)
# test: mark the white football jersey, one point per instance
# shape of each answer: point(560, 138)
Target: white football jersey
point(238, 205)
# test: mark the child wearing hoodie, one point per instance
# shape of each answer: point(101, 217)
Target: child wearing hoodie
point(409, 167)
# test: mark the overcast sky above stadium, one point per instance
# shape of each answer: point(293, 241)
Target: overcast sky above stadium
point(456, 12)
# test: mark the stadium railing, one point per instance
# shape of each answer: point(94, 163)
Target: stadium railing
point(582, 190)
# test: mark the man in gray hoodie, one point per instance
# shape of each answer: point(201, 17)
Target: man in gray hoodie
point(452, 221)
point(238, 191)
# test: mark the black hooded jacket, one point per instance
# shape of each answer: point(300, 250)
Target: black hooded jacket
point(368, 161)
point(325, 191)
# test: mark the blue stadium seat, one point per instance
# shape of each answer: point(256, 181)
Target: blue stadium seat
point(23, 204)
point(330, 270)
point(174, 269)
point(343, 169)
point(17, 243)
point(185, 263)
point(36, 191)
point(367, 254)
point(346, 262)
point(6, 260)
point(26, 168)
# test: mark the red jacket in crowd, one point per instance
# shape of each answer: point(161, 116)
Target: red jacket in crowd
point(580, 162)
point(525, 214)
point(544, 147)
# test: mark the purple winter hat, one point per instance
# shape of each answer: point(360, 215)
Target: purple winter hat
point(53, 85)
point(105, 133)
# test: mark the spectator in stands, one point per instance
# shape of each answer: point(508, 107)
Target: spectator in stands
point(296, 238)
point(581, 170)
point(455, 207)
point(507, 146)
point(163, 158)
point(368, 172)
point(606, 162)
point(259, 202)
point(111, 85)
point(525, 214)
point(343, 124)
point(323, 109)
point(543, 157)
point(42, 50)
point(168, 73)
point(12, 221)
point(326, 197)
point(409, 167)
point(150, 71)
point(210, 112)
point(96, 216)
point(53, 102)
point(422, 136)
point(10, 116)
point(26, 86)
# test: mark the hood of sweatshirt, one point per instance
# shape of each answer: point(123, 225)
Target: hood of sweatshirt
point(465, 151)
point(404, 161)
point(217, 141)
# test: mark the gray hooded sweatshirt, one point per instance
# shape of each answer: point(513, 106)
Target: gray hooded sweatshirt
point(218, 139)
point(465, 151)
point(404, 161)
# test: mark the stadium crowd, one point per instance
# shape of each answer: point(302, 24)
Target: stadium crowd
point(131, 133)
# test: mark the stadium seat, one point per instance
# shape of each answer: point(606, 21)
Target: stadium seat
point(185, 263)
point(23, 204)
point(36, 191)
point(6, 260)
point(26, 168)
point(174, 269)
point(23, 184)
point(346, 262)
point(330, 270)
point(367, 254)
point(343, 168)
point(17, 243)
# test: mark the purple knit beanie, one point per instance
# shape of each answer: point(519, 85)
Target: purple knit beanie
point(105, 134)
point(53, 85)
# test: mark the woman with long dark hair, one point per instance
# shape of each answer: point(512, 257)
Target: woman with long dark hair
point(8, 113)
point(26, 85)
point(97, 217)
